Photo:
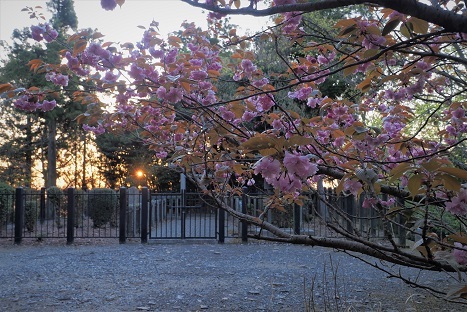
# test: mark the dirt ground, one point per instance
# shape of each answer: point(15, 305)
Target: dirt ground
point(103, 275)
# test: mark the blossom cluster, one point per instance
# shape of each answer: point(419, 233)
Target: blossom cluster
point(460, 253)
point(289, 178)
point(43, 32)
point(30, 103)
point(57, 79)
point(458, 204)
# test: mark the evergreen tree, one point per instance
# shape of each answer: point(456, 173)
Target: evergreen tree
point(30, 136)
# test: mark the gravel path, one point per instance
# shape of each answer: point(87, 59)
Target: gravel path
point(198, 277)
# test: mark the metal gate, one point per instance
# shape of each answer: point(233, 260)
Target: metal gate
point(181, 216)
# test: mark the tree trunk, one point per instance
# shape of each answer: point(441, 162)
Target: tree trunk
point(83, 182)
point(28, 156)
point(51, 153)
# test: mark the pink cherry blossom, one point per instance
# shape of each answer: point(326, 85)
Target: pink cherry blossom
point(352, 186)
point(47, 105)
point(162, 155)
point(198, 75)
point(292, 21)
point(299, 165)
point(369, 203)
point(57, 79)
point(174, 95)
point(108, 5)
point(460, 253)
point(248, 116)
point(43, 31)
point(248, 66)
point(268, 167)
point(458, 204)
point(228, 116)
point(110, 77)
point(266, 102)
point(458, 113)
point(26, 103)
point(96, 130)
point(287, 183)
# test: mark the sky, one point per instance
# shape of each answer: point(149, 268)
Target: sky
point(120, 25)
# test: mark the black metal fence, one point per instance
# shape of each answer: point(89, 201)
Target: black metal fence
point(138, 214)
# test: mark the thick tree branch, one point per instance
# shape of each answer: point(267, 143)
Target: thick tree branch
point(449, 20)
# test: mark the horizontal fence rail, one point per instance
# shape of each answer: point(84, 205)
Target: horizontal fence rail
point(130, 213)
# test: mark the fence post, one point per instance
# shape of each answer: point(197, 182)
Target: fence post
point(19, 215)
point(244, 211)
point(350, 207)
point(297, 219)
point(144, 214)
point(42, 206)
point(221, 224)
point(70, 222)
point(123, 205)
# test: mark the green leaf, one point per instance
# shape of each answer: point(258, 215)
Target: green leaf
point(390, 26)
point(370, 53)
point(340, 186)
point(347, 30)
point(450, 182)
point(297, 140)
point(349, 70)
point(419, 26)
point(406, 30)
point(268, 152)
point(399, 170)
point(458, 238)
point(258, 143)
point(432, 165)
point(459, 173)
point(414, 184)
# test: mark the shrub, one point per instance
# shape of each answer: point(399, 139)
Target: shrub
point(30, 215)
point(102, 205)
point(81, 201)
point(7, 199)
point(55, 201)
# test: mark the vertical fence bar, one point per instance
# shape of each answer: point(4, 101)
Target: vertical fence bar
point(42, 206)
point(144, 214)
point(244, 211)
point(221, 225)
point(70, 221)
point(19, 215)
point(123, 205)
point(297, 219)
point(183, 215)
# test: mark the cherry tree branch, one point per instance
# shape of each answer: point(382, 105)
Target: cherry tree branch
point(449, 20)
